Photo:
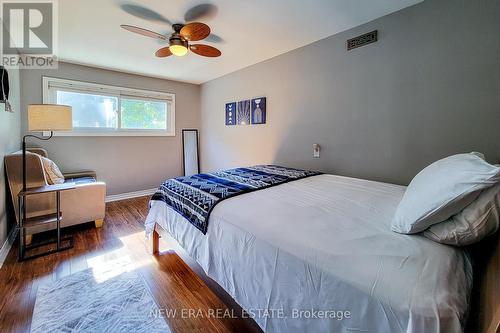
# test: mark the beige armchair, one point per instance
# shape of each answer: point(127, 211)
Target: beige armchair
point(85, 203)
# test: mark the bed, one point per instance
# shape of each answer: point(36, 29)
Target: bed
point(317, 255)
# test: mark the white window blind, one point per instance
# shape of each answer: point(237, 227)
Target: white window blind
point(104, 110)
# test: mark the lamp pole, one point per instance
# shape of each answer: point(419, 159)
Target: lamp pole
point(24, 152)
point(23, 207)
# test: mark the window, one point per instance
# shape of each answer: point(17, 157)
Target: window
point(101, 110)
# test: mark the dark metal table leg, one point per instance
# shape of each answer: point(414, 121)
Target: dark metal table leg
point(21, 229)
point(23, 249)
point(58, 202)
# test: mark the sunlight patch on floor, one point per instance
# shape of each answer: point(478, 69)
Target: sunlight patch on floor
point(131, 256)
point(109, 265)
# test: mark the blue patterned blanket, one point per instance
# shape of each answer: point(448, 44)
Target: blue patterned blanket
point(194, 197)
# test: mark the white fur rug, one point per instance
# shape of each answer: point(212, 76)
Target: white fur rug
point(80, 303)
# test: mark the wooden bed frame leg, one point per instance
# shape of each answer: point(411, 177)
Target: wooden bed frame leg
point(155, 243)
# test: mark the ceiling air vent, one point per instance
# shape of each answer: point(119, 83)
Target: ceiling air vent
point(362, 40)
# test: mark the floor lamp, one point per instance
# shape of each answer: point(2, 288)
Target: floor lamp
point(42, 118)
point(46, 118)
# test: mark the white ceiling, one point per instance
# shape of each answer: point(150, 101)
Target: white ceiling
point(252, 30)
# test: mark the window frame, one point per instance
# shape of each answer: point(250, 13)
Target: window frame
point(50, 85)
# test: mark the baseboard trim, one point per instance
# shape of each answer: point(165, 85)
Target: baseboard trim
point(130, 195)
point(7, 245)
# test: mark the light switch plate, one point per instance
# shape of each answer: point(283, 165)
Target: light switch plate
point(316, 150)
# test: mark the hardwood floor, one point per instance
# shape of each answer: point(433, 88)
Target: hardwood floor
point(118, 246)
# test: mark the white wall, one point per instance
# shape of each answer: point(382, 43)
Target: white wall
point(428, 88)
point(10, 140)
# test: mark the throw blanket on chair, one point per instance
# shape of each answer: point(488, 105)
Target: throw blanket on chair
point(194, 197)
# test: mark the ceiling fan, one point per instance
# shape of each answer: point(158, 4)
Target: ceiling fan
point(183, 34)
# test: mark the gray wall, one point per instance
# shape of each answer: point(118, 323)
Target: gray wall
point(125, 163)
point(10, 138)
point(430, 87)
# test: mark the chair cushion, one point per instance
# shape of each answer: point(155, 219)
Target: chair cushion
point(81, 180)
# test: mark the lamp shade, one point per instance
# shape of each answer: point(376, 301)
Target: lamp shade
point(49, 117)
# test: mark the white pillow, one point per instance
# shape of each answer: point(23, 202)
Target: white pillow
point(441, 190)
point(475, 222)
point(52, 172)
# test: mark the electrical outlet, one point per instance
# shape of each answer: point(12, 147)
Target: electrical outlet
point(316, 150)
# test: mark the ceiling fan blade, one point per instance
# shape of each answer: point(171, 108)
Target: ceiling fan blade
point(213, 38)
point(195, 31)
point(166, 34)
point(141, 31)
point(144, 13)
point(205, 50)
point(163, 52)
point(205, 11)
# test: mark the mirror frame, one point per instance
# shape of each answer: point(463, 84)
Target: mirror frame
point(197, 149)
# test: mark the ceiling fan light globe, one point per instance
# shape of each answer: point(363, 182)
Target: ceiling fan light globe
point(178, 50)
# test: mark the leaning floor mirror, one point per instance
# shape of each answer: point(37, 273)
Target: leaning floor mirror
point(190, 152)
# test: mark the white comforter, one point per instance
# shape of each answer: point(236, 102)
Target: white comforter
point(324, 243)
